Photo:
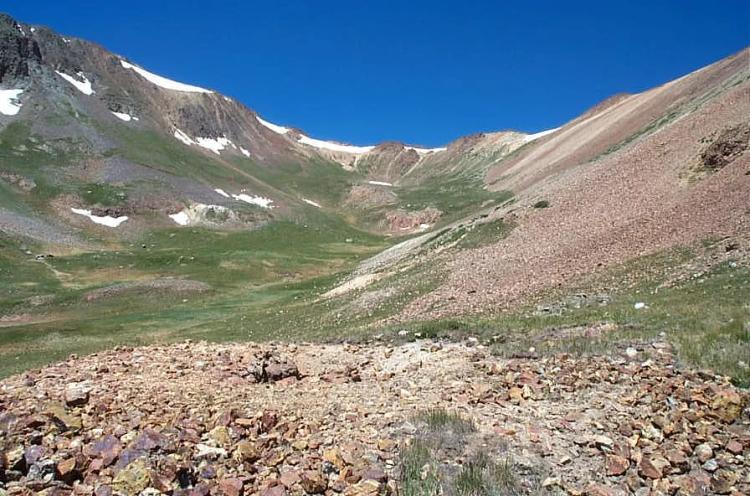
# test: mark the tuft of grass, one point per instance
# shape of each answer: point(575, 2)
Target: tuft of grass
point(442, 419)
point(419, 475)
point(483, 476)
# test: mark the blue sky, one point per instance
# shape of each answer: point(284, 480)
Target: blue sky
point(424, 72)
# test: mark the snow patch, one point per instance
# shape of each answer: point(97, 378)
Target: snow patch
point(245, 152)
point(183, 137)
point(8, 102)
point(425, 151)
point(222, 192)
point(20, 28)
point(33, 29)
point(327, 145)
point(273, 127)
point(105, 220)
point(310, 202)
point(164, 82)
point(532, 137)
point(336, 147)
point(199, 213)
point(124, 117)
point(82, 86)
point(380, 183)
point(180, 218)
point(254, 200)
point(216, 145)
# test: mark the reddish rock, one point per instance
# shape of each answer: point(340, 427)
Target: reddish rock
point(616, 465)
point(652, 466)
point(289, 478)
point(374, 473)
point(313, 482)
point(66, 470)
point(231, 486)
point(734, 447)
point(274, 491)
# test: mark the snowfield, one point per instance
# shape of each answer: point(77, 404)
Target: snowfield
point(336, 147)
point(197, 213)
point(180, 218)
point(216, 145)
point(310, 202)
point(379, 183)
point(532, 137)
point(82, 86)
point(254, 200)
point(326, 145)
point(8, 102)
point(124, 117)
point(245, 152)
point(105, 220)
point(222, 192)
point(273, 127)
point(164, 82)
point(425, 151)
point(183, 137)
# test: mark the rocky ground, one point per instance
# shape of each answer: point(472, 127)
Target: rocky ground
point(273, 419)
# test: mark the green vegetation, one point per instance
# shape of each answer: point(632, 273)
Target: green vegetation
point(485, 233)
point(265, 284)
point(541, 204)
point(418, 471)
point(440, 418)
point(483, 476)
point(428, 462)
point(159, 152)
point(44, 162)
point(323, 182)
point(456, 197)
point(102, 194)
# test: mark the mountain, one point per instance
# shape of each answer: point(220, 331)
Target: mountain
point(69, 102)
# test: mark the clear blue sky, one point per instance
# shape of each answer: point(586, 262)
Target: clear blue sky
point(423, 72)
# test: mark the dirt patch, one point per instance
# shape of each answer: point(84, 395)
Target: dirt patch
point(730, 144)
point(25, 184)
point(167, 284)
point(401, 220)
point(364, 196)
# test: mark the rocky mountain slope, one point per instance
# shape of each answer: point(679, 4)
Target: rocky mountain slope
point(635, 176)
point(86, 116)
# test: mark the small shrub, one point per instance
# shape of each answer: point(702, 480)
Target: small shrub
point(440, 419)
point(418, 471)
point(541, 204)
